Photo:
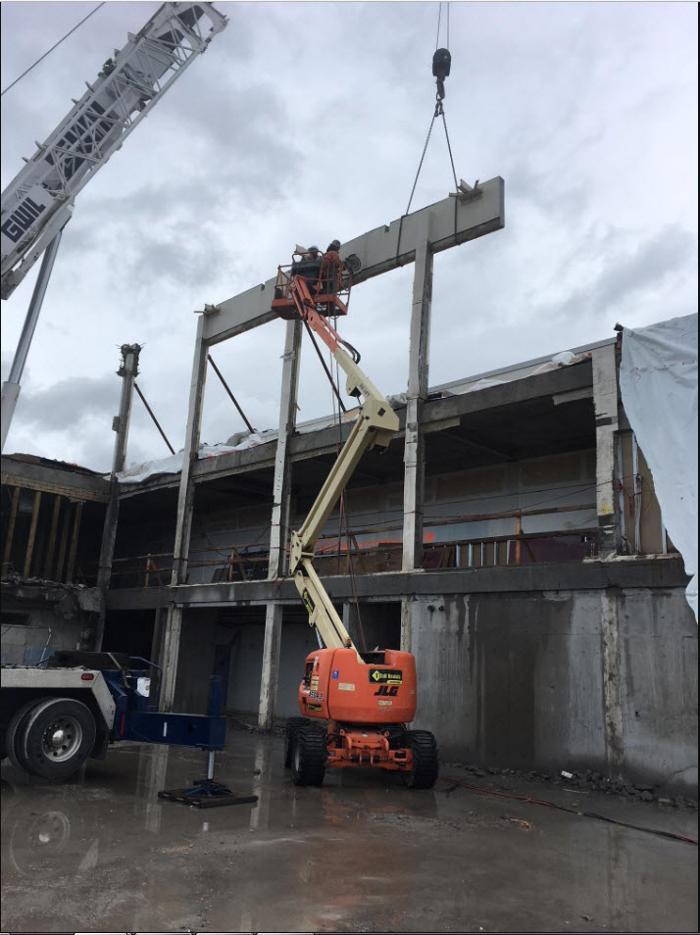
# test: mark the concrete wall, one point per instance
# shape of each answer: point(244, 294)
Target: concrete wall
point(196, 660)
point(243, 694)
point(298, 641)
point(374, 624)
point(24, 644)
point(213, 642)
point(573, 679)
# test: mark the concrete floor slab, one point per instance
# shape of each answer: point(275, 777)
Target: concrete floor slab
point(360, 854)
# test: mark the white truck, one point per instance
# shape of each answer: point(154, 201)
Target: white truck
point(55, 717)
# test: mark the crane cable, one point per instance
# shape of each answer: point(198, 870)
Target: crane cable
point(441, 68)
point(54, 46)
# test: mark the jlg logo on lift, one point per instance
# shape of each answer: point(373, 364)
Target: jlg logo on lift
point(386, 676)
point(387, 690)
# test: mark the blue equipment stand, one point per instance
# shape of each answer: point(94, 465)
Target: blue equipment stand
point(206, 793)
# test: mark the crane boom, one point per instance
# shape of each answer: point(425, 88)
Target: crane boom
point(38, 202)
point(376, 424)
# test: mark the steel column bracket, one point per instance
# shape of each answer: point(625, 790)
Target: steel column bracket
point(466, 192)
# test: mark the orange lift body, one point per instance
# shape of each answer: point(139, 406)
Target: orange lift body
point(362, 702)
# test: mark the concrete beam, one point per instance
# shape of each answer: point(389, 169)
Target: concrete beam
point(660, 573)
point(452, 221)
point(73, 484)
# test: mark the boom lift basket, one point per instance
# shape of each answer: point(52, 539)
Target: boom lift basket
point(329, 283)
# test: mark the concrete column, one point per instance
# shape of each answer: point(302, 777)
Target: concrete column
point(183, 522)
point(414, 444)
point(10, 532)
point(29, 552)
point(279, 526)
point(281, 500)
point(605, 401)
point(170, 654)
point(128, 371)
point(612, 684)
point(270, 665)
point(417, 392)
point(185, 501)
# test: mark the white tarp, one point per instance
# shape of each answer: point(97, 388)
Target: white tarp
point(659, 386)
point(173, 464)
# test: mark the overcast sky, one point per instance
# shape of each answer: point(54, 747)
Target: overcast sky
point(305, 121)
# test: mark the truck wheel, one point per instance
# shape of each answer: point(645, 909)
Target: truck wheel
point(58, 737)
point(424, 770)
point(309, 755)
point(15, 733)
point(293, 725)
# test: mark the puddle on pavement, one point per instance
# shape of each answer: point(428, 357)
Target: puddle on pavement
point(105, 847)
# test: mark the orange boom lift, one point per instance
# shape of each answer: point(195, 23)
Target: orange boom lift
point(355, 706)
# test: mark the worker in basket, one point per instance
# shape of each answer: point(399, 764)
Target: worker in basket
point(308, 267)
point(325, 275)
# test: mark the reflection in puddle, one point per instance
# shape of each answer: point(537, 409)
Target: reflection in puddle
point(105, 847)
point(36, 839)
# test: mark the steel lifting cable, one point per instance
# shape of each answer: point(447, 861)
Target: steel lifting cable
point(54, 46)
point(325, 366)
point(441, 69)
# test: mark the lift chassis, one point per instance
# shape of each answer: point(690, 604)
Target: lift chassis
point(355, 707)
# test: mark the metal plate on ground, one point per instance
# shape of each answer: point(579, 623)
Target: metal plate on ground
point(186, 797)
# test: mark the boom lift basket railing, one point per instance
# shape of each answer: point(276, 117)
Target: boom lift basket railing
point(328, 282)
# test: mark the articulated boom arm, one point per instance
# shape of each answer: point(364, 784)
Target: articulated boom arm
point(38, 202)
point(376, 424)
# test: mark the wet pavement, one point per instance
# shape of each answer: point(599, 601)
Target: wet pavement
point(360, 854)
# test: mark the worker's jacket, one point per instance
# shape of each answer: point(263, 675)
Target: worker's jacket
point(330, 273)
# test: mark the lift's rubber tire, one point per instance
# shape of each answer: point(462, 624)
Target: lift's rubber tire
point(425, 767)
point(293, 725)
point(15, 734)
point(309, 755)
point(58, 737)
point(398, 737)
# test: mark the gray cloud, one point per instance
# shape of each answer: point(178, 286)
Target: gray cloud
point(66, 403)
point(273, 138)
point(624, 277)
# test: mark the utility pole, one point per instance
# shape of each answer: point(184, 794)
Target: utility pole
point(128, 371)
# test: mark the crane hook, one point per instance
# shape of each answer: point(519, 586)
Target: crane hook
point(441, 69)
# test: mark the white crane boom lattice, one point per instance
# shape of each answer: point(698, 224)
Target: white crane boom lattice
point(38, 202)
